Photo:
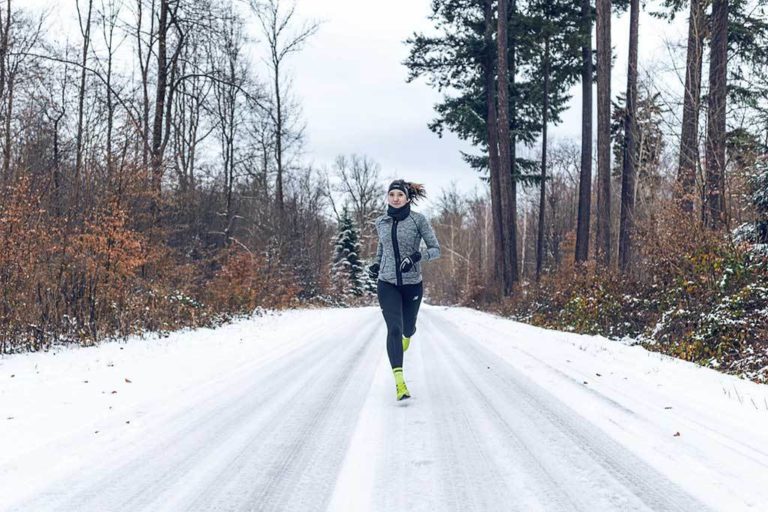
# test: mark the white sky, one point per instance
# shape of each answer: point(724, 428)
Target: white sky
point(351, 84)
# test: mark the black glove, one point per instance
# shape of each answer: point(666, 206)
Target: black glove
point(407, 263)
point(373, 271)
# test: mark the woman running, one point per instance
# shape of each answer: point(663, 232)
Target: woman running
point(397, 267)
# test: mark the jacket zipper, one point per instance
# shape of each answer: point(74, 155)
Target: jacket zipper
point(398, 274)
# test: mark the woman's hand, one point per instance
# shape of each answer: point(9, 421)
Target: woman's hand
point(407, 263)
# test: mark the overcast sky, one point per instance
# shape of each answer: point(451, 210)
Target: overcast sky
point(350, 82)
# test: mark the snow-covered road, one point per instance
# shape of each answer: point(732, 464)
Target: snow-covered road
point(296, 412)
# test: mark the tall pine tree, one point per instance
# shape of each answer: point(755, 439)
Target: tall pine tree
point(585, 172)
point(461, 61)
point(551, 58)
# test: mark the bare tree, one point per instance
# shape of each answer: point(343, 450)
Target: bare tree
point(5, 30)
point(144, 50)
point(190, 104)
point(276, 26)
point(359, 182)
point(262, 134)
point(167, 69)
point(85, 31)
point(54, 109)
point(230, 69)
point(108, 17)
point(458, 243)
point(94, 261)
point(23, 34)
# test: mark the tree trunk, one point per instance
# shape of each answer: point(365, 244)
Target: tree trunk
point(585, 176)
point(230, 150)
point(524, 245)
point(7, 126)
point(718, 57)
point(110, 100)
point(144, 62)
point(689, 137)
point(86, 32)
point(160, 90)
point(628, 170)
point(281, 45)
point(505, 166)
point(169, 101)
point(514, 273)
point(489, 69)
point(57, 167)
point(5, 30)
point(603, 242)
point(279, 138)
point(542, 194)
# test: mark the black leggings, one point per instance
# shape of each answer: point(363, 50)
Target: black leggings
point(400, 305)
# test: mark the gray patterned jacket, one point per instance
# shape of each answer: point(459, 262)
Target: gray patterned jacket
point(399, 239)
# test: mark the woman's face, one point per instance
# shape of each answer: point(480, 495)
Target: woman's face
point(396, 198)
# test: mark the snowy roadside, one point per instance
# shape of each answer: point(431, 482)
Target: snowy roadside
point(702, 428)
point(593, 360)
point(60, 407)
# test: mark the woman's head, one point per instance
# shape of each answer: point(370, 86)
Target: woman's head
point(401, 192)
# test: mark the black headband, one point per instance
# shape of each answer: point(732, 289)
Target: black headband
point(400, 185)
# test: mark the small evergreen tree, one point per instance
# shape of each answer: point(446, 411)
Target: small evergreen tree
point(347, 275)
point(760, 200)
point(756, 232)
point(759, 188)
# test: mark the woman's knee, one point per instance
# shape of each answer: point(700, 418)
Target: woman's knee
point(394, 330)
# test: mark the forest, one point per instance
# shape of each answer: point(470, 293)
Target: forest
point(153, 178)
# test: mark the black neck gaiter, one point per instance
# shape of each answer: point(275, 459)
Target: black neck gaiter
point(399, 213)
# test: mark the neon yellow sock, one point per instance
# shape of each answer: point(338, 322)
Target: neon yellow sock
point(406, 343)
point(401, 388)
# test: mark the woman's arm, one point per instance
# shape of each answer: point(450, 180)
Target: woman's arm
point(428, 234)
point(379, 252)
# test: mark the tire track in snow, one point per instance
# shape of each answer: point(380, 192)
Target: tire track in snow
point(312, 435)
point(477, 446)
point(392, 463)
point(754, 453)
point(705, 446)
point(189, 462)
point(593, 469)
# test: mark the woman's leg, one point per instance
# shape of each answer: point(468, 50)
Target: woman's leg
point(411, 301)
point(391, 303)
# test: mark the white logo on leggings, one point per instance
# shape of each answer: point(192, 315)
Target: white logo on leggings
point(416, 298)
